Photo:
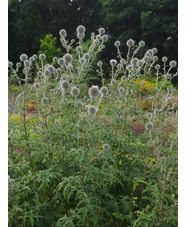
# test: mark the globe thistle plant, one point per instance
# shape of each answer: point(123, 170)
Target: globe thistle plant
point(86, 56)
point(101, 31)
point(149, 126)
point(141, 43)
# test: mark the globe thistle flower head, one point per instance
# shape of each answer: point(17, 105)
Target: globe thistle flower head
point(36, 85)
point(80, 104)
point(154, 50)
point(113, 82)
point(31, 59)
point(149, 115)
point(167, 76)
point(129, 67)
point(92, 110)
point(169, 89)
point(172, 64)
point(23, 57)
point(155, 58)
point(47, 72)
point(8, 178)
point(149, 126)
point(104, 38)
point(86, 56)
point(58, 70)
point(82, 61)
point(65, 84)
point(10, 64)
point(93, 91)
point(42, 57)
point(101, 31)
point(54, 59)
point(12, 181)
point(164, 59)
point(157, 67)
point(63, 33)
point(44, 100)
point(140, 63)
point(84, 118)
point(104, 91)
point(35, 56)
point(134, 62)
point(40, 74)
point(26, 63)
point(100, 63)
point(113, 62)
point(81, 36)
point(80, 29)
point(51, 68)
point(122, 61)
point(146, 59)
point(18, 64)
point(79, 49)
point(141, 43)
point(106, 147)
point(68, 58)
point(117, 43)
point(75, 91)
point(121, 90)
point(130, 42)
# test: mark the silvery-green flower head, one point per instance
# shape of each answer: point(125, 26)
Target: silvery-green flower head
point(65, 84)
point(117, 43)
point(44, 100)
point(40, 74)
point(18, 64)
point(113, 62)
point(86, 56)
point(84, 118)
point(100, 63)
point(58, 71)
point(169, 89)
point(26, 63)
point(130, 42)
point(154, 50)
point(155, 58)
point(101, 31)
point(42, 57)
point(141, 43)
point(149, 126)
point(75, 91)
point(134, 62)
point(82, 61)
point(31, 59)
point(106, 147)
point(80, 104)
point(104, 38)
point(93, 91)
point(172, 64)
point(164, 59)
point(10, 64)
point(149, 115)
point(63, 33)
point(51, 68)
point(129, 67)
point(157, 67)
point(47, 72)
point(122, 61)
point(79, 49)
point(68, 58)
point(35, 56)
point(140, 63)
point(121, 90)
point(146, 59)
point(92, 110)
point(113, 82)
point(36, 85)
point(167, 76)
point(80, 29)
point(104, 91)
point(54, 59)
point(23, 57)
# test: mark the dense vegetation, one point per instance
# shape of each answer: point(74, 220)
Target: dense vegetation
point(83, 155)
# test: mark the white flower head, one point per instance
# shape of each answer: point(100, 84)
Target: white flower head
point(93, 91)
point(92, 110)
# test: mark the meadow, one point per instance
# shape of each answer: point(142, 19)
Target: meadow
point(102, 154)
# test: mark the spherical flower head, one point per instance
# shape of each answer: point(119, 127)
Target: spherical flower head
point(31, 59)
point(86, 56)
point(65, 84)
point(80, 29)
point(61, 61)
point(117, 43)
point(154, 50)
point(40, 74)
point(63, 33)
point(26, 63)
point(82, 61)
point(75, 91)
point(157, 67)
point(18, 64)
point(35, 56)
point(130, 42)
point(149, 126)
point(93, 91)
point(167, 76)
point(149, 115)
point(156, 112)
point(172, 64)
point(80, 104)
point(44, 100)
point(58, 71)
point(51, 68)
point(100, 63)
point(104, 38)
point(121, 90)
point(134, 62)
point(141, 43)
point(92, 110)
point(113, 62)
point(54, 59)
point(68, 58)
point(10, 64)
point(36, 85)
point(122, 61)
point(47, 72)
point(104, 91)
point(106, 147)
point(146, 59)
point(140, 63)
point(164, 59)
point(79, 49)
point(23, 57)
point(129, 67)
point(42, 57)
point(81, 36)
point(155, 58)
point(12, 181)
point(113, 82)
point(101, 31)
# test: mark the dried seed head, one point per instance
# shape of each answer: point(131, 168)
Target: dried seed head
point(104, 38)
point(142, 43)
